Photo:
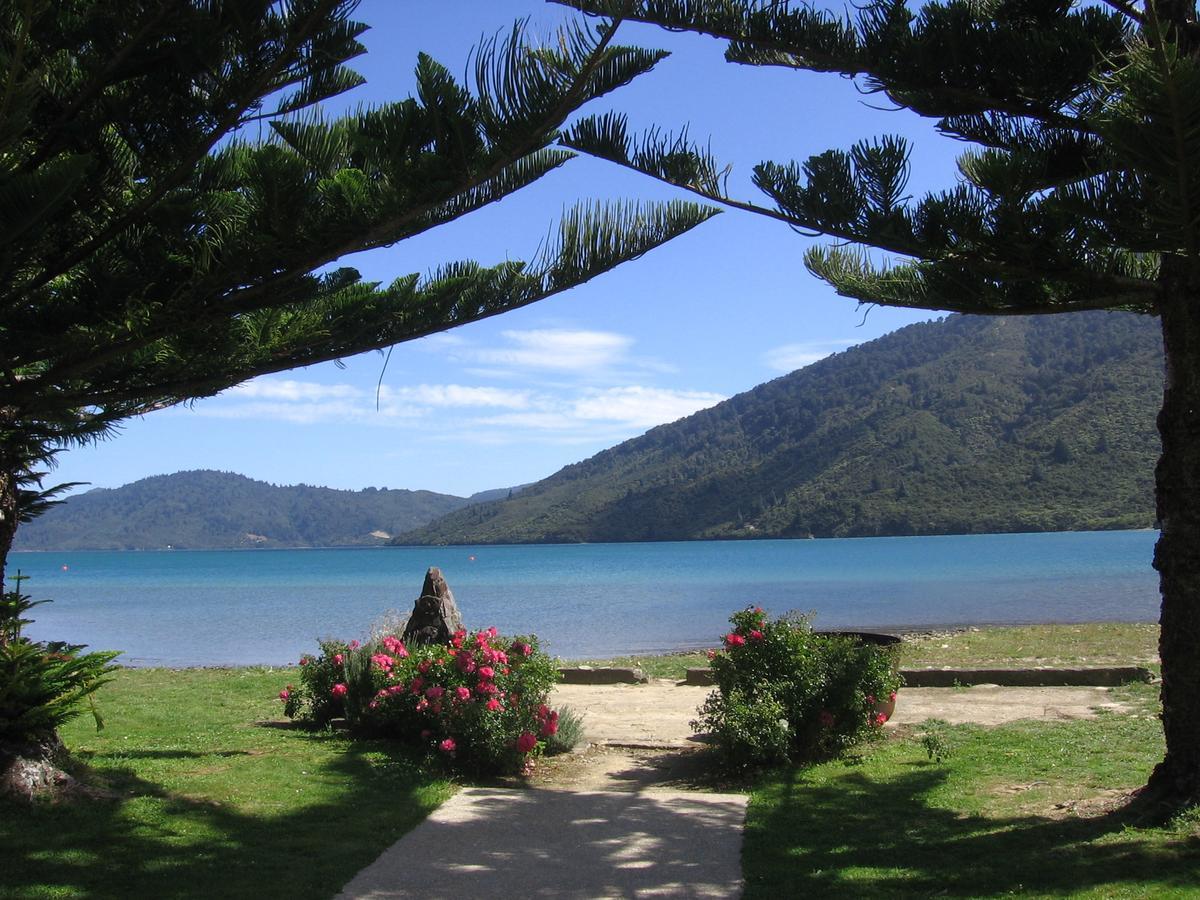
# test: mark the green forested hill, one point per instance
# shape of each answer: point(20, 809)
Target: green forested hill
point(205, 509)
point(968, 424)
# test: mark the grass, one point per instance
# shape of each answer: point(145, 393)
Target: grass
point(1090, 644)
point(1025, 809)
point(666, 665)
point(214, 798)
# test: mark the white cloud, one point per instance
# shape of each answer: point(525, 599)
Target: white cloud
point(456, 395)
point(292, 391)
point(569, 412)
point(790, 357)
point(642, 407)
point(557, 350)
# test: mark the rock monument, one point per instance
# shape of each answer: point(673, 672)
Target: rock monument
point(435, 615)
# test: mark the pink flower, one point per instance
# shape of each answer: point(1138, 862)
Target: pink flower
point(304, 660)
point(734, 640)
point(383, 661)
point(435, 692)
point(456, 640)
point(339, 690)
point(487, 673)
point(759, 610)
point(422, 705)
point(424, 666)
point(463, 693)
point(879, 719)
point(418, 685)
point(826, 718)
point(521, 649)
point(338, 658)
point(354, 645)
point(493, 705)
point(543, 711)
point(395, 647)
point(396, 689)
point(484, 688)
point(526, 742)
point(892, 696)
point(711, 654)
point(448, 745)
point(871, 699)
point(465, 661)
point(756, 635)
point(285, 693)
point(549, 727)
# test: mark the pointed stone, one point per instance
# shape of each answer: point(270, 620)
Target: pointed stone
point(435, 616)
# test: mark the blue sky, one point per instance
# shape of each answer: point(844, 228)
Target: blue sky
point(513, 399)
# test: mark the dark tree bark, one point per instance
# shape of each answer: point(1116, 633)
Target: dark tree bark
point(1176, 780)
point(8, 516)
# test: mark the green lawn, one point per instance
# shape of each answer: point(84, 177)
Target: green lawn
point(1024, 809)
point(215, 799)
point(1088, 644)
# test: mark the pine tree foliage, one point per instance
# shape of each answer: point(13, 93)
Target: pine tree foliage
point(1087, 162)
point(1079, 189)
point(175, 200)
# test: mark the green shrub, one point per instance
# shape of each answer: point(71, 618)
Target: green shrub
point(785, 693)
point(478, 702)
point(42, 683)
point(569, 734)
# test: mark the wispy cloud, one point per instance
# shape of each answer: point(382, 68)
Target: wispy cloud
point(604, 356)
point(642, 406)
point(454, 395)
point(558, 350)
point(480, 414)
point(790, 357)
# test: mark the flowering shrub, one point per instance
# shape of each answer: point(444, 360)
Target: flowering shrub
point(478, 702)
point(785, 693)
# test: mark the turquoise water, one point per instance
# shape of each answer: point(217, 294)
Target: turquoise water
point(185, 608)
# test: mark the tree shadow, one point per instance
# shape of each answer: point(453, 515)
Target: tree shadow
point(156, 842)
point(816, 839)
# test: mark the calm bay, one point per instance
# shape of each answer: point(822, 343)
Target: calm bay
point(243, 607)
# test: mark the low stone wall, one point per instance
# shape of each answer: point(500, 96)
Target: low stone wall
point(607, 675)
point(1106, 676)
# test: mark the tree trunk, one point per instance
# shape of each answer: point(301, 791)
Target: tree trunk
point(8, 516)
point(1176, 780)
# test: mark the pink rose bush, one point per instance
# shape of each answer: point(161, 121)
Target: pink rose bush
point(787, 694)
point(477, 703)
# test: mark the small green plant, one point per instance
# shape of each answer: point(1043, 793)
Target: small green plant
point(43, 683)
point(936, 740)
point(785, 693)
point(569, 734)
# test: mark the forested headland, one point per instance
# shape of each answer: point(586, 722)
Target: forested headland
point(963, 425)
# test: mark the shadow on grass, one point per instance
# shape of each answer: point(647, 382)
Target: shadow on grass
point(162, 754)
point(156, 842)
point(854, 836)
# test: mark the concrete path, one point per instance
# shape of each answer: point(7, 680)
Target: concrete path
point(496, 842)
point(618, 832)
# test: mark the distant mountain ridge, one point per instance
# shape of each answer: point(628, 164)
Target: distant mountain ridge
point(964, 425)
point(204, 509)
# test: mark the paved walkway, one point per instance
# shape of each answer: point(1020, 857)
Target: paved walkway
point(619, 833)
point(491, 842)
